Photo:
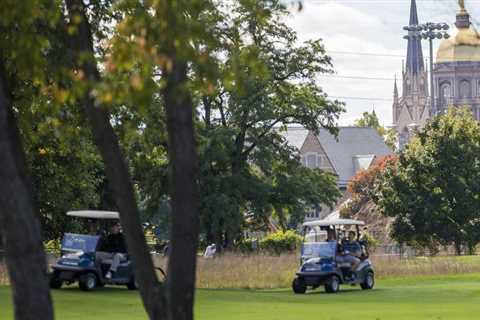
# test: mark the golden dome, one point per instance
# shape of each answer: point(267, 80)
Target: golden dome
point(464, 46)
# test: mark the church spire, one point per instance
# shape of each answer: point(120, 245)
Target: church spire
point(395, 90)
point(414, 51)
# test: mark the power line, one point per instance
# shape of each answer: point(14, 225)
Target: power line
point(365, 53)
point(359, 98)
point(386, 1)
point(355, 77)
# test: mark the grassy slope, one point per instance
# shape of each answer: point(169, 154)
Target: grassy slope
point(452, 297)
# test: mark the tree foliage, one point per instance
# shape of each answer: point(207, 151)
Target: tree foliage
point(363, 184)
point(433, 191)
point(370, 120)
point(268, 83)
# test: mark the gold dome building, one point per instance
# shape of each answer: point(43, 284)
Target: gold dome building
point(457, 68)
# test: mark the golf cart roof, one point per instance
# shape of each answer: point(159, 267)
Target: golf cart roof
point(94, 214)
point(334, 222)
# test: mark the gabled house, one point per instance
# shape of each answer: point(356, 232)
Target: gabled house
point(354, 149)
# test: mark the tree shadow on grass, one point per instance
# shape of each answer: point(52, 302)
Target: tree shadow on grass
point(100, 290)
point(320, 291)
point(343, 291)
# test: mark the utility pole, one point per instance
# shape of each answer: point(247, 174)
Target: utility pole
point(428, 31)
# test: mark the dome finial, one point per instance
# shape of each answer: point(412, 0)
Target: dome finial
point(463, 18)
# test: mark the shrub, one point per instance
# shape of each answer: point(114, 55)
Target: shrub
point(370, 241)
point(248, 245)
point(280, 241)
point(52, 246)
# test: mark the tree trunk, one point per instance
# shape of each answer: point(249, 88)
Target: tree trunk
point(151, 289)
point(19, 222)
point(207, 105)
point(185, 218)
point(458, 247)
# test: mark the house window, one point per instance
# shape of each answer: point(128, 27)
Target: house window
point(322, 161)
point(315, 213)
point(311, 160)
point(314, 160)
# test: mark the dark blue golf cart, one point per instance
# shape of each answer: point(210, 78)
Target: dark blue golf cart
point(78, 261)
point(320, 262)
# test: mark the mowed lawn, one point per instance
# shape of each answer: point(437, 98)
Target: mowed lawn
point(449, 297)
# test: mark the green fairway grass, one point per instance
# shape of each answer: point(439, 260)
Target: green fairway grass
point(449, 297)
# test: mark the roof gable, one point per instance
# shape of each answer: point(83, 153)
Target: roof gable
point(295, 136)
point(312, 144)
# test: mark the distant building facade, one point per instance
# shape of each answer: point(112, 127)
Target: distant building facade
point(412, 109)
point(457, 68)
point(456, 75)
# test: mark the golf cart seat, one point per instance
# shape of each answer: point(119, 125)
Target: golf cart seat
point(344, 265)
point(110, 261)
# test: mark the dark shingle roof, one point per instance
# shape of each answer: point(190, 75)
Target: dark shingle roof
point(355, 146)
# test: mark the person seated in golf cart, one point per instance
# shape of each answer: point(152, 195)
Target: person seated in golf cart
point(331, 235)
point(349, 251)
point(352, 244)
point(112, 248)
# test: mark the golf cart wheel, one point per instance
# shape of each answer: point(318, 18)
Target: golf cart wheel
point(55, 282)
point(132, 285)
point(88, 281)
point(333, 284)
point(299, 286)
point(369, 281)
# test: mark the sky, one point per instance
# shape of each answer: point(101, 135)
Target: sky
point(365, 39)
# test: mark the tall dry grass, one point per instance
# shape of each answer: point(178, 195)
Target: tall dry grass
point(243, 271)
point(3, 274)
point(393, 266)
point(268, 272)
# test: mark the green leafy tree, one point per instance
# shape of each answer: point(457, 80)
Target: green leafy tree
point(432, 192)
point(268, 81)
point(152, 48)
point(66, 169)
point(22, 61)
point(370, 120)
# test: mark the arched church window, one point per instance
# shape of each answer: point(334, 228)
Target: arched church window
point(445, 93)
point(446, 90)
point(465, 89)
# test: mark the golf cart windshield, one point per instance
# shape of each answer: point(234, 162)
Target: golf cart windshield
point(79, 242)
point(319, 249)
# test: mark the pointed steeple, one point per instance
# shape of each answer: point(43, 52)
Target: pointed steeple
point(414, 51)
point(413, 13)
point(395, 107)
point(395, 89)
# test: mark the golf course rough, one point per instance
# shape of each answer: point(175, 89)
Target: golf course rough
point(448, 297)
